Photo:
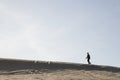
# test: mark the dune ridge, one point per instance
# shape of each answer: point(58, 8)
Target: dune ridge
point(16, 69)
point(17, 64)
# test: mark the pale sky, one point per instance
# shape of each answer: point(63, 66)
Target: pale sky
point(61, 30)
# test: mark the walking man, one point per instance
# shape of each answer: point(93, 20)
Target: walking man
point(88, 58)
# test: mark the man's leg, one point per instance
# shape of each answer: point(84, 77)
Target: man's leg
point(89, 61)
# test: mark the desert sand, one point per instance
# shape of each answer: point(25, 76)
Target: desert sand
point(41, 70)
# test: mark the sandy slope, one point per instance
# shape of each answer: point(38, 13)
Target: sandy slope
point(20, 70)
point(63, 75)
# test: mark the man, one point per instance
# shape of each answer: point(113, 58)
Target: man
point(88, 58)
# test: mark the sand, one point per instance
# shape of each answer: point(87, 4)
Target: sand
point(58, 73)
point(61, 75)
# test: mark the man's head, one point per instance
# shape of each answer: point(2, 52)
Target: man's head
point(87, 52)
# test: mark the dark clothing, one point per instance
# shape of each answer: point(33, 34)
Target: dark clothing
point(88, 58)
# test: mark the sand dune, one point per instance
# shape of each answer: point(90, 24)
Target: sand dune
point(11, 69)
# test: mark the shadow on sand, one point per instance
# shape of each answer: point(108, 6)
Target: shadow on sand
point(13, 64)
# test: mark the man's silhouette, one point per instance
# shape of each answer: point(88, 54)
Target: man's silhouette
point(88, 58)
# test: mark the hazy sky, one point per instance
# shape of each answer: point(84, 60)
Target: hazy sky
point(61, 30)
